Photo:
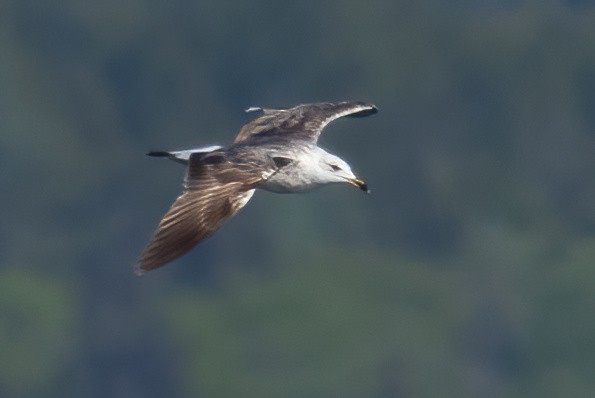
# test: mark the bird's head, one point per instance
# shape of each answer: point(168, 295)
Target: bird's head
point(335, 170)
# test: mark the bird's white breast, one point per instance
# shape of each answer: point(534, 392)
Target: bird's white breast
point(281, 183)
point(302, 174)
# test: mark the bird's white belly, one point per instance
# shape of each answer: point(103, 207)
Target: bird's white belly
point(289, 182)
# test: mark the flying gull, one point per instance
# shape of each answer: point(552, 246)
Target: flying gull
point(276, 152)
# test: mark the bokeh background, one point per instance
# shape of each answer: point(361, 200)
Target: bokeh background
point(469, 271)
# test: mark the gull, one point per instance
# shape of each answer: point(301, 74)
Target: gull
point(276, 152)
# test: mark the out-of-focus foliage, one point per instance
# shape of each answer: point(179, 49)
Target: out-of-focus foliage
point(327, 320)
point(470, 270)
point(37, 331)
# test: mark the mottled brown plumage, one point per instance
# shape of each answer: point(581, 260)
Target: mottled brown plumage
point(276, 152)
point(213, 193)
point(303, 122)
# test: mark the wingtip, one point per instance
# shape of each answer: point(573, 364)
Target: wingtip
point(368, 110)
point(138, 271)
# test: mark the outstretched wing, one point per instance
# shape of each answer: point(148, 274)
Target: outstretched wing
point(303, 122)
point(215, 189)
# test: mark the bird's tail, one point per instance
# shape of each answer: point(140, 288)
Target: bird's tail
point(184, 155)
point(161, 154)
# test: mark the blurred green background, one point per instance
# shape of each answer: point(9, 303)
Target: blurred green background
point(469, 272)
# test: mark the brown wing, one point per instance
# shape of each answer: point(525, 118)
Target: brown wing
point(215, 190)
point(304, 122)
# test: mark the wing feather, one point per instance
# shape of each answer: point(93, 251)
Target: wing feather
point(304, 122)
point(214, 192)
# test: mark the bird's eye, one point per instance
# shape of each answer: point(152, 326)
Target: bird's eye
point(335, 167)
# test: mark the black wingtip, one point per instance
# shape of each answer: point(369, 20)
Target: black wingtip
point(160, 154)
point(370, 109)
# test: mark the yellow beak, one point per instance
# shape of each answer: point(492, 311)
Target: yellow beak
point(356, 182)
